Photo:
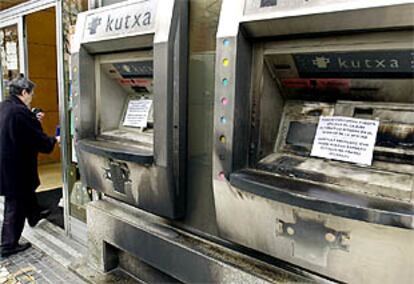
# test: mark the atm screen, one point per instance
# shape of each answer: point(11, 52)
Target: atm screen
point(134, 76)
point(134, 69)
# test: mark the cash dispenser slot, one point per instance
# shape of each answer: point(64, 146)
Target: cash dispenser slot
point(118, 151)
point(321, 198)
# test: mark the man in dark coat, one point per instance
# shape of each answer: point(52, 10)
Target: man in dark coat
point(21, 139)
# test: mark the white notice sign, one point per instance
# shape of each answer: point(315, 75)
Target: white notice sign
point(137, 113)
point(345, 139)
point(11, 54)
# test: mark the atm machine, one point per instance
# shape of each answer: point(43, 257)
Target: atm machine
point(129, 91)
point(129, 71)
point(313, 157)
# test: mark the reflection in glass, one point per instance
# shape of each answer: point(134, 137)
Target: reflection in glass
point(9, 56)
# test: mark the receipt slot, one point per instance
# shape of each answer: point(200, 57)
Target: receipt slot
point(313, 157)
point(129, 91)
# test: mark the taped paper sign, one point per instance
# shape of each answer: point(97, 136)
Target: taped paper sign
point(11, 54)
point(137, 113)
point(345, 139)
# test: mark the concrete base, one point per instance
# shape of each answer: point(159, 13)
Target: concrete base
point(118, 275)
point(177, 255)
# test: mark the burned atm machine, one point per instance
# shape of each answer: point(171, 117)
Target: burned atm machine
point(313, 157)
point(128, 70)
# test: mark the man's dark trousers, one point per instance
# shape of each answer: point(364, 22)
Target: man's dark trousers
point(16, 210)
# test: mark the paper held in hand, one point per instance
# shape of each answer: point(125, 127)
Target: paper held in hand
point(137, 113)
point(345, 139)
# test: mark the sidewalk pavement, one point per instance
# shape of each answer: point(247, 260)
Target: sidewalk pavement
point(34, 266)
point(53, 258)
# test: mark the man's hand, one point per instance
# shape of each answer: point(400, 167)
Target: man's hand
point(40, 116)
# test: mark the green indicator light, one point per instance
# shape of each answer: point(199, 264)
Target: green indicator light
point(226, 42)
point(225, 82)
point(223, 120)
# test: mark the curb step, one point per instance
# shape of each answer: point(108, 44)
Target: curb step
point(52, 240)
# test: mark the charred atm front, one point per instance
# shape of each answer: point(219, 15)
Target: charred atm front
point(288, 72)
point(128, 69)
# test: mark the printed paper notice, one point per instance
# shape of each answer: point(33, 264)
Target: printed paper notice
point(345, 139)
point(11, 54)
point(137, 113)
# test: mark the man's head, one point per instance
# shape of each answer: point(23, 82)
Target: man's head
point(22, 88)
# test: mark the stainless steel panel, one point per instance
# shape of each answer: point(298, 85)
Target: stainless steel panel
point(324, 243)
point(83, 93)
point(123, 180)
point(299, 18)
point(306, 6)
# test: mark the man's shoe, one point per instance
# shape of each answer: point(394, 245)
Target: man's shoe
point(5, 252)
point(42, 215)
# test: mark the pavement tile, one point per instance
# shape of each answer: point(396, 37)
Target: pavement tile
point(34, 266)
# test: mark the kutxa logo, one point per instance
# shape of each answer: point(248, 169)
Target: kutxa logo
point(127, 22)
point(323, 62)
point(363, 64)
point(93, 25)
point(117, 23)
